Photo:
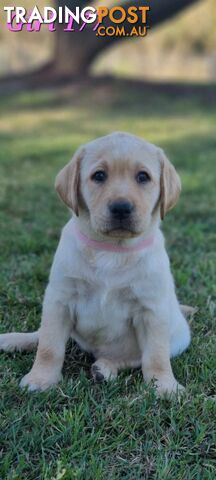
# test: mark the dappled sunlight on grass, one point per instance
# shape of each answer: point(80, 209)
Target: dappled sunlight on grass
point(159, 119)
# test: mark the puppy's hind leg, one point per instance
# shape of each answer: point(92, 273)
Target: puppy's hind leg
point(104, 370)
point(10, 342)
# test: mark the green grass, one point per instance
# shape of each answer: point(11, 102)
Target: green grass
point(118, 431)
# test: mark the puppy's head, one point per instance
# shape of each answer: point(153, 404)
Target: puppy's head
point(121, 183)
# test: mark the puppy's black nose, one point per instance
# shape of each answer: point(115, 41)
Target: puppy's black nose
point(121, 209)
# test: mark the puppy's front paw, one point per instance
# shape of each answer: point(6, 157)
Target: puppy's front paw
point(38, 381)
point(169, 389)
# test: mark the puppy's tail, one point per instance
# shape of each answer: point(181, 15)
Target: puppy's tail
point(10, 342)
point(188, 311)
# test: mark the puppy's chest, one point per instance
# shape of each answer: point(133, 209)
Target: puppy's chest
point(101, 312)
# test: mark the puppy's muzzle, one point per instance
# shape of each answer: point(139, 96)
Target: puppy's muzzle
point(121, 209)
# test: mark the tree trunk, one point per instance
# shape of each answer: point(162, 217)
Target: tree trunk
point(75, 51)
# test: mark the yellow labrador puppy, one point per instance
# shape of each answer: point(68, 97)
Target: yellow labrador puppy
point(110, 286)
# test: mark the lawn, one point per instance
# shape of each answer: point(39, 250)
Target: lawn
point(121, 430)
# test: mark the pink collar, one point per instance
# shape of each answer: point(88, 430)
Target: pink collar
point(111, 247)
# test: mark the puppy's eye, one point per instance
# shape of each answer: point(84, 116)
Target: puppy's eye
point(100, 176)
point(142, 177)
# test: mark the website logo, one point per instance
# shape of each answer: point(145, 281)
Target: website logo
point(115, 21)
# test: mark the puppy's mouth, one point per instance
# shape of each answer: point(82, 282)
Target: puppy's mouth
point(124, 229)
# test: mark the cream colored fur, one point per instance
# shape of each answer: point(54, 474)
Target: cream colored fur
point(121, 307)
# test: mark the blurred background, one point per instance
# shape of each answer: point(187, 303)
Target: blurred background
point(180, 48)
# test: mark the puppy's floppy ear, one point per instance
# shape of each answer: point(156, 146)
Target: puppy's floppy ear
point(67, 181)
point(170, 185)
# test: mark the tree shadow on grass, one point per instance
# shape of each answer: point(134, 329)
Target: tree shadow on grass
point(111, 92)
